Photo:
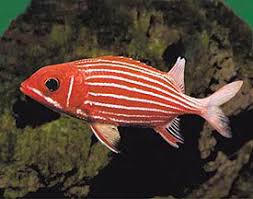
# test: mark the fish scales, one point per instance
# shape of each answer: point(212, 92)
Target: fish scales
point(146, 88)
point(130, 69)
point(107, 91)
point(159, 78)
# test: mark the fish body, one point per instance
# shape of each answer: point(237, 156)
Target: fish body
point(123, 91)
point(114, 91)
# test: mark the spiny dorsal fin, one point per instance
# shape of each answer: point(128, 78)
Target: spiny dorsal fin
point(177, 72)
point(129, 61)
point(108, 134)
point(121, 59)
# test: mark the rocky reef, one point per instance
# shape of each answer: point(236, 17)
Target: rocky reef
point(43, 153)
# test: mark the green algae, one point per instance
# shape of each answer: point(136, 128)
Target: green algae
point(87, 45)
point(150, 36)
point(49, 152)
point(59, 35)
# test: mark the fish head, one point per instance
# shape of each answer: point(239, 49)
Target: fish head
point(60, 87)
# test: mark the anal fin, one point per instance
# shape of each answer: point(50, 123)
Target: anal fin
point(170, 132)
point(107, 134)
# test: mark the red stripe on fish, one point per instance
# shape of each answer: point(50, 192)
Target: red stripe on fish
point(120, 61)
point(160, 79)
point(127, 84)
point(121, 92)
point(136, 87)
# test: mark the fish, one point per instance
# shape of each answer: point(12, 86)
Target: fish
point(112, 91)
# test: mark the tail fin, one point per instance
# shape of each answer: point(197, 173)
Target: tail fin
point(213, 114)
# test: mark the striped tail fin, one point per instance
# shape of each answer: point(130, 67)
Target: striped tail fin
point(212, 112)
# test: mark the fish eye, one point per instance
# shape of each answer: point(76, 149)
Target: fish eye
point(52, 84)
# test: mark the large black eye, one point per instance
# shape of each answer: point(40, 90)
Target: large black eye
point(52, 84)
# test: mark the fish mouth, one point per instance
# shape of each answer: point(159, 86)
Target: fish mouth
point(26, 89)
point(23, 88)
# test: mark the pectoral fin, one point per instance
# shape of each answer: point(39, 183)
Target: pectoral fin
point(108, 134)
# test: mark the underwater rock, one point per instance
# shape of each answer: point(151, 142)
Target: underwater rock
point(59, 152)
point(42, 152)
point(226, 171)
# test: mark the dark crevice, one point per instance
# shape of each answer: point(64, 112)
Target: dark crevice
point(233, 77)
point(149, 167)
point(41, 177)
point(245, 172)
point(241, 130)
point(213, 81)
point(172, 52)
point(30, 113)
point(54, 191)
point(1, 193)
point(47, 192)
point(146, 61)
point(212, 156)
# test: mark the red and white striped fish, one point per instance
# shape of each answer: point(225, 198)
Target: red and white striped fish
point(114, 91)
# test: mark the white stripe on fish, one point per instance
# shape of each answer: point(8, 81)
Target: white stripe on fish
point(179, 97)
point(138, 91)
point(70, 90)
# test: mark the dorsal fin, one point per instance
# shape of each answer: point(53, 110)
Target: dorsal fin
point(177, 73)
point(121, 59)
point(127, 60)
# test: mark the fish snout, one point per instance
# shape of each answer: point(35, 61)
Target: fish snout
point(24, 87)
